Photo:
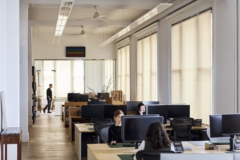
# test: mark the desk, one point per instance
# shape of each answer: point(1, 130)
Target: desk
point(203, 127)
point(103, 152)
point(83, 136)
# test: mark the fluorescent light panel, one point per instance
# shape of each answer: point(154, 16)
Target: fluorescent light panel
point(64, 12)
point(155, 11)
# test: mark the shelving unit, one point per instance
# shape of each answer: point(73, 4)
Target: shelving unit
point(34, 99)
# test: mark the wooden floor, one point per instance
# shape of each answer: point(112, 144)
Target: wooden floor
point(48, 140)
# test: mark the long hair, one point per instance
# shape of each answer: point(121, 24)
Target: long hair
point(139, 106)
point(158, 136)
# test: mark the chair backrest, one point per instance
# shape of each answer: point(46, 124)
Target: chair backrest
point(182, 127)
point(101, 133)
point(153, 154)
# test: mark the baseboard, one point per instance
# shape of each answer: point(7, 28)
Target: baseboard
point(25, 138)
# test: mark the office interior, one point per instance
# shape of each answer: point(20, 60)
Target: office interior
point(23, 40)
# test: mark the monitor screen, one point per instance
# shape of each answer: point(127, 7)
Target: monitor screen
point(230, 124)
point(150, 102)
point(132, 105)
point(134, 128)
point(72, 96)
point(93, 111)
point(110, 109)
point(103, 95)
point(216, 126)
point(175, 111)
point(96, 102)
point(162, 110)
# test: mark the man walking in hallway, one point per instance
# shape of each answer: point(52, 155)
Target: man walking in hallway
point(49, 99)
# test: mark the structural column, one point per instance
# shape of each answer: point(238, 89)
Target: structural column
point(24, 77)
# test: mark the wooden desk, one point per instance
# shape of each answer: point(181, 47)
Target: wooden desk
point(103, 152)
point(203, 127)
point(83, 136)
point(70, 125)
point(12, 135)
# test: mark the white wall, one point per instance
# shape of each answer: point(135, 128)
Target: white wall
point(42, 47)
point(10, 64)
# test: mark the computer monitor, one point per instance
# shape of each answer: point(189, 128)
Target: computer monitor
point(96, 102)
point(150, 102)
point(216, 126)
point(110, 109)
point(132, 105)
point(162, 110)
point(103, 95)
point(134, 128)
point(83, 98)
point(92, 111)
point(230, 126)
point(72, 96)
point(175, 111)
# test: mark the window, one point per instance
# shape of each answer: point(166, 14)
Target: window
point(192, 65)
point(124, 71)
point(75, 75)
point(147, 68)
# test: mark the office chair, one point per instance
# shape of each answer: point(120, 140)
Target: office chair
point(182, 128)
point(101, 133)
point(153, 154)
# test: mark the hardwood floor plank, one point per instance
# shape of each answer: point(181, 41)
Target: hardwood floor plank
point(48, 140)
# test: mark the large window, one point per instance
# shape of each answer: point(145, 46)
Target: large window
point(75, 76)
point(192, 64)
point(124, 71)
point(147, 68)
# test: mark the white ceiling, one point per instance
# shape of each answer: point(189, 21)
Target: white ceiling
point(43, 14)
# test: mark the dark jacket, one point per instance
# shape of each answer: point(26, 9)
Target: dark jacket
point(114, 134)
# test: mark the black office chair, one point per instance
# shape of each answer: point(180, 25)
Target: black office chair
point(153, 154)
point(182, 128)
point(101, 133)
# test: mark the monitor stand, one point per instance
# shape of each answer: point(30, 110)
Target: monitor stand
point(231, 144)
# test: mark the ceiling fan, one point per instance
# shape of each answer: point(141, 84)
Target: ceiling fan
point(96, 16)
point(82, 33)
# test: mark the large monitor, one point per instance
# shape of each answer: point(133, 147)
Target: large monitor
point(175, 111)
point(162, 110)
point(150, 102)
point(92, 111)
point(230, 124)
point(132, 105)
point(110, 109)
point(71, 96)
point(134, 128)
point(216, 126)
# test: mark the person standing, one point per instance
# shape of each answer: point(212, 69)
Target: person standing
point(49, 99)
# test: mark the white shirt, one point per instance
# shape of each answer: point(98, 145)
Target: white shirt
point(142, 146)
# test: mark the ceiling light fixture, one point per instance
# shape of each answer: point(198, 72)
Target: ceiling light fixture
point(64, 12)
point(155, 11)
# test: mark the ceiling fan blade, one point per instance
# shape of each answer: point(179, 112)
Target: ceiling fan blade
point(74, 34)
point(104, 19)
point(85, 18)
point(101, 16)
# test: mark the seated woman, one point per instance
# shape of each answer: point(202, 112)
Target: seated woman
point(157, 138)
point(114, 132)
point(141, 109)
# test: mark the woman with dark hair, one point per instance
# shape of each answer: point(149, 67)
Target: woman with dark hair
point(114, 132)
point(156, 138)
point(141, 109)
